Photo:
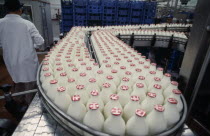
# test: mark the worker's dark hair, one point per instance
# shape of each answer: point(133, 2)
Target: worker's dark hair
point(12, 5)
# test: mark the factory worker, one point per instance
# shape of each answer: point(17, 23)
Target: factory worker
point(18, 39)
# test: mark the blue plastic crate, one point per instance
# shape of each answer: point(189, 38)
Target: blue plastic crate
point(137, 4)
point(107, 23)
point(80, 17)
point(137, 13)
point(109, 4)
point(90, 17)
point(123, 19)
point(136, 20)
point(80, 22)
point(67, 17)
point(80, 10)
point(123, 12)
point(80, 2)
point(67, 29)
point(149, 21)
point(67, 10)
point(67, 23)
point(94, 9)
point(108, 18)
point(109, 11)
point(66, 2)
point(123, 4)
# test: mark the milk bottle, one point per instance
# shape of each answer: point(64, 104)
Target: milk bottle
point(62, 99)
point(177, 95)
point(80, 90)
point(95, 97)
point(166, 80)
point(124, 95)
point(149, 102)
point(171, 113)
point(114, 124)
point(159, 96)
point(51, 90)
point(130, 108)
point(156, 80)
point(156, 120)
point(94, 118)
point(106, 92)
point(92, 85)
point(114, 102)
point(171, 86)
point(139, 119)
point(140, 91)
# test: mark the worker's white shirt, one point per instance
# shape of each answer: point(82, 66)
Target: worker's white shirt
point(18, 38)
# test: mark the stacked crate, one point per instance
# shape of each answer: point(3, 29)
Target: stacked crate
point(149, 12)
point(80, 12)
point(137, 12)
point(67, 16)
point(109, 10)
point(94, 12)
point(123, 12)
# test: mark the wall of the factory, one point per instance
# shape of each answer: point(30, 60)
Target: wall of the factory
point(55, 15)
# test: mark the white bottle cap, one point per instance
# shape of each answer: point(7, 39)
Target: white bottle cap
point(82, 74)
point(80, 87)
point(92, 80)
point(109, 77)
point(140, 113)
point(167, 74)
point(63, 74)
point(152, 72)
point(75, 98)
point(61, 89)
point(126, 79)
point(174, 83)
point(128, 73)
point(159, 108)
point(135, 98)
point(94, 106)
point(141, 77)
point(116, 111)
point(45, 69)
point(176, 91)
point(124, 87)
point(152, 95)
point(106, 85)
point(172, 100)
point(139, 85)
point(53, 81)
point(157, 86)
point(94, 93)
point(114, 97)
point(157, 79)
point(47, 74)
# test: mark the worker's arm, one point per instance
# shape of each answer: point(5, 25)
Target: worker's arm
point(37, 38)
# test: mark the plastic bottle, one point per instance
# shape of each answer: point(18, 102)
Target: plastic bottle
point(124, 95)
point(95, 97)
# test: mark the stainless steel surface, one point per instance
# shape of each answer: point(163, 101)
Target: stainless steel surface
point(38, 122)
point(21, 93)
point(196, 50)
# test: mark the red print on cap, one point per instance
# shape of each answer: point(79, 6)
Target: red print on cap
point(75, 98)
point(138, 70)
point(106, 85)
point(114, 97)
point(94, 93)
point(92, 80)
point(152, 95)
point(141, 77)
point(174, 83)
point(47, 74)
point(167, 74)
point(176, 91)
point(140, 85)
point(53, 81)
point(159, 108)
point(80, 87)
point(172, 100)
point(157, 86)
point(63, 74)
point(140, 113)
point(94, 106)
point(70, 80)
point(124, 87)
point(61, 89)
point(116, 111)
point(135, 98)
point(157, 79)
